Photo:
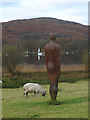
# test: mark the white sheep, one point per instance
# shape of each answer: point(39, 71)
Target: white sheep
point(33, 88)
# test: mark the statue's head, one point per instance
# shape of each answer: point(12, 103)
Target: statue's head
point(52, 36)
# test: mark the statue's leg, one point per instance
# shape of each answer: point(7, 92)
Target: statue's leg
point(53, 90)
point(53, 85)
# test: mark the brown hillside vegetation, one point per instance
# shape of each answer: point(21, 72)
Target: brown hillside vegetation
point(39, 28)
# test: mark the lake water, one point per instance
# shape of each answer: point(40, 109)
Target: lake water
point(65, 59)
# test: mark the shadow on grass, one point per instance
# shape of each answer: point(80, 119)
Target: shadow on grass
point(53, 102)
point(70, 101)
point(75, 100)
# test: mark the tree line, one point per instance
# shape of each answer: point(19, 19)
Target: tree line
point(71, 52)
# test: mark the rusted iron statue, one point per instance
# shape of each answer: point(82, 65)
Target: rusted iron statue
point(52, 57)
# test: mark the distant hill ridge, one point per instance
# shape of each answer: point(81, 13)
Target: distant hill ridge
point(47, 18)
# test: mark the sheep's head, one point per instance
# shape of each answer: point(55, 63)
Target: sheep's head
point(43, 93)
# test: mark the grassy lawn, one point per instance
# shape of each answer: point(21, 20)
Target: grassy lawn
point(73, 98)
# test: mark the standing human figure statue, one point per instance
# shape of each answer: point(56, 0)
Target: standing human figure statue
point(52, 58)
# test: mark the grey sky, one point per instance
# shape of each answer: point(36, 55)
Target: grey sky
point(26, 9)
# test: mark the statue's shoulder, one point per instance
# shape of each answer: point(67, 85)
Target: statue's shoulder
point(50, 45)
point(47, 45)
point(57, 45)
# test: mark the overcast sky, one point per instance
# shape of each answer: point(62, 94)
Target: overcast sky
point(61, 9)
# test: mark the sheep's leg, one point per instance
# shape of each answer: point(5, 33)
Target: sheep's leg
point(38, 94)
point(27, 95)
point(23, 95)
point(34, 93)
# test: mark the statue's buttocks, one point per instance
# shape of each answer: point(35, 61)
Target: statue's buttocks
point(50, 67)
point(52, 55)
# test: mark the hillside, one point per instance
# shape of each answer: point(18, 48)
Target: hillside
point(31, 34)
point(39, 28)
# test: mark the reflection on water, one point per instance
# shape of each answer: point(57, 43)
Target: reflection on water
point(38, 58)
point(65, 59)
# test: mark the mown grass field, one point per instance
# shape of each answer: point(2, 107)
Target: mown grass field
point(72, 96)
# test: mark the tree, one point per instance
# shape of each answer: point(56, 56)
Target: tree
point(11, 57)
point(30, 45)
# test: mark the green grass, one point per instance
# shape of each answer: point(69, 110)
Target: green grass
point(73, 99)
